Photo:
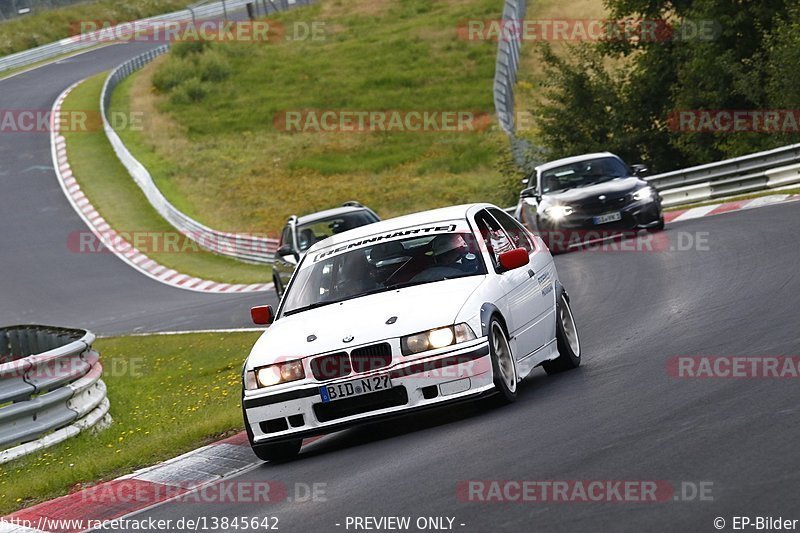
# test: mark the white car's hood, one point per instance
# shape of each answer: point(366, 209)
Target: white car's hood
point(417, 308)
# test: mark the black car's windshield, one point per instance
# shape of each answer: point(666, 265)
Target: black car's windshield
point(312, 232)
point(384, 266)
point(582, 173)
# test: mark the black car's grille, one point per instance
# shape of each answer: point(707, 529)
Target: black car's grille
point(371, 357)
point(599, 207)
point(396, 396)
point(331, 366)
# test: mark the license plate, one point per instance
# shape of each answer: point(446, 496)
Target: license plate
point(608, 217)
point(355, 387)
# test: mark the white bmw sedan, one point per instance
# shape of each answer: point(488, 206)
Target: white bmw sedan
point(409, 313)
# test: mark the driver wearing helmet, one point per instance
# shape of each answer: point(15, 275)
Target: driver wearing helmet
point(451, 250)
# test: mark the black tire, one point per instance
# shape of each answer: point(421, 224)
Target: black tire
point(660, 226)
point(567, 358)
point(278, 451)
point(502, 364)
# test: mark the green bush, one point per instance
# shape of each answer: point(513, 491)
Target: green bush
point(213, 67)
point(186, 48)
point(173, 73)
point(191, 91)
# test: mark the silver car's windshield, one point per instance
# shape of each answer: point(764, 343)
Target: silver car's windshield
point(582, 173)
point(384, 266)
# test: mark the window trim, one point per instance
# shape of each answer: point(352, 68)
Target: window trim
point(531, 248)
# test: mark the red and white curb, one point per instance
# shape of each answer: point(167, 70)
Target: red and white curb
point(727, 207)
point(112, 240)
point(177, 478)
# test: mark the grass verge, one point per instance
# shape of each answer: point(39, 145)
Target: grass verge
point(220, 156)
point(119, 200)
point(169, 394)
point(50, 25)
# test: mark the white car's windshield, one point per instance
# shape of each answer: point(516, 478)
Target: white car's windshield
point(384, 266)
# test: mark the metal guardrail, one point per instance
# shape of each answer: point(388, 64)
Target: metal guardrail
point(87, 40)
point(741, 175)
point(525, 154)
point(244, 247)
point(50, 388)
point(505, 76)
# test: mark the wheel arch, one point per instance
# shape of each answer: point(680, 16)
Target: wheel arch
point(488, 311)
point(561, 290)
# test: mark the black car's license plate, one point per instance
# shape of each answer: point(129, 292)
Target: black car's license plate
point(355, 387)
point(608, 217)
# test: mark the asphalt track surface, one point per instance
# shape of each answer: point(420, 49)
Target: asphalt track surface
point(620, 416)
point(42, 281)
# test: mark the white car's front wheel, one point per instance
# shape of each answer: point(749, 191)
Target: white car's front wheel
point(503, 367)
point(279, 451)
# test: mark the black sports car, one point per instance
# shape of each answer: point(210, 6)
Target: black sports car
point(579, 200)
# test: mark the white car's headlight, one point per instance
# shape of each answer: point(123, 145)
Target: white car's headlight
point(436, 338)
point(557, 212)
point(267, 376)
point(643, 194)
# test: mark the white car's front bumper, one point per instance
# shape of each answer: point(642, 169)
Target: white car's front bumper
point(299, 412)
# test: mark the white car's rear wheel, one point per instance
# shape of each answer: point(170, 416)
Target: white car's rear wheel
point(569, 344)
point(503, 367)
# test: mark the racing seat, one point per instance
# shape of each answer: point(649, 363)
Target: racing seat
point(359, 276)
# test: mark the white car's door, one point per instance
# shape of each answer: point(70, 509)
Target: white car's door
point(532, 300)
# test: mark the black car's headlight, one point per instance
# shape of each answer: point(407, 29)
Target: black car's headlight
point(557, 212)
point(267, 376)
point(645, 193)
point(436, 338)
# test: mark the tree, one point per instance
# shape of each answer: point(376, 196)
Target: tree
point(706, 55)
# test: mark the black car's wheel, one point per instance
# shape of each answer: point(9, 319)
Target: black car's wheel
point(660, 225)
point(279, 451)
point(503, 368)
point(569, 345)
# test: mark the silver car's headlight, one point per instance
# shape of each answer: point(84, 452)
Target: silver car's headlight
point(436, 338)
point(267, 376)
point(557, 212)
point(643, 194)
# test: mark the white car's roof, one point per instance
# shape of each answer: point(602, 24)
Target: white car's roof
point(573, 159)
point(456, 212)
